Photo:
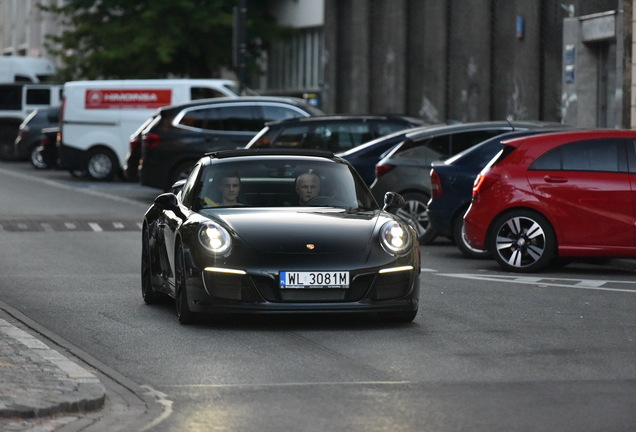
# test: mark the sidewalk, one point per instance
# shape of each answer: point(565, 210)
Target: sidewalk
point(37, 381)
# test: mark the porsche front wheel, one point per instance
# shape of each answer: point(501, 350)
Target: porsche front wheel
point(147, 291)
point(184, 314)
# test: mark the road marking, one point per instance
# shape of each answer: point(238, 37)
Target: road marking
point(95, 227)
point(294, 384)
point(163, 400)
point(68, 224)
point(587, 284)
point(46, 227)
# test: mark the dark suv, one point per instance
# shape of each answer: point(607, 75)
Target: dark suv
point(181, 134)
point(334, 133)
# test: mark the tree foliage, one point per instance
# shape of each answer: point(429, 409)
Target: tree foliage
point(154, 38)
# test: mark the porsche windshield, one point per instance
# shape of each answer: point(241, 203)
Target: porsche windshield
point(281, 182)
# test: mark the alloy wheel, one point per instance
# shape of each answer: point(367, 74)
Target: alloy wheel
point(523, 241)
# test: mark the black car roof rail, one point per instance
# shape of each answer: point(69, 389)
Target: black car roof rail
point(270, 152)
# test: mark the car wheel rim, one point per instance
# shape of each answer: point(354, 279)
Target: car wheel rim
point(520, 242)
point(36, 159)
point(100, 166)
point(415, 211)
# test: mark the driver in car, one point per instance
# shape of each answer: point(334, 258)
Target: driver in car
point(307, 187)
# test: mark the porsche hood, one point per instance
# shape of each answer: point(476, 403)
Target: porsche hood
point(318, 231)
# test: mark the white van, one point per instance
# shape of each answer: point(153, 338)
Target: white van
point(98, 117)
point(25, 69)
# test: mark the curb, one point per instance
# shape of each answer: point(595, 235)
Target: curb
point(38, 381)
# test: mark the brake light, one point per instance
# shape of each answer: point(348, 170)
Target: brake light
point(135, 142)
point(383, 169)
point(483, 182)
point(436, 185)
point(150, 141)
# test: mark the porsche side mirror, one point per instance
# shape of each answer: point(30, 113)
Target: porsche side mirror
point(168, 201)
point(393, 201)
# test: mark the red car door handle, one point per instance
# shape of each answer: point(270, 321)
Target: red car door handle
point(554, 179)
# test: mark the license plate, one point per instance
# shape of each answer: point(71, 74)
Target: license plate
point(314, 280)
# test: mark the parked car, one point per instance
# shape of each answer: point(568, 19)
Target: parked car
point(181, 134)
point(335, 133)
point(452, 188)
point(365, 157)
point(30, 134)
point(130, 169)
point(405, 169)
point(564, 195)
point(241, 243)
point(46, 153)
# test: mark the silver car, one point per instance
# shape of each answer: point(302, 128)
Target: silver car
point(405, 169)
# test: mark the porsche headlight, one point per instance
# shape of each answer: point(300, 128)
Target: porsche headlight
point(395, 238)
point(215, 238)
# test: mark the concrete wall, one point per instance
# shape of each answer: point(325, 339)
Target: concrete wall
point(448, 59)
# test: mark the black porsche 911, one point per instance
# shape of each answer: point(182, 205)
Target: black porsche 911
point(279, 231)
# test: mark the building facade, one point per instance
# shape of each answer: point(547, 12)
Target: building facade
point(466, 60)
point(441, 60)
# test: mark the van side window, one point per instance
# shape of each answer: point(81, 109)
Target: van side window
point(10, 97)
point(205, 93)
point(38, 96)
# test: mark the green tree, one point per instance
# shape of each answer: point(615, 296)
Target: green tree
point(123, 39)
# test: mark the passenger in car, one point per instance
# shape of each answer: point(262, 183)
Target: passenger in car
point(229, 187)
point(307, 187)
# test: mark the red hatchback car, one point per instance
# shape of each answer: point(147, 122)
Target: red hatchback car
point(566, 194)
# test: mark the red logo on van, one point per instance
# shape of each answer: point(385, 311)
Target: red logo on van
point(107, 99)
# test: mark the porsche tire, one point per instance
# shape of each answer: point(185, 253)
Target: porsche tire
point(148, 293)
point(184, 314)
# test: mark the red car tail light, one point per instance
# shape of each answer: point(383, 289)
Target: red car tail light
point(484, 181)
point(436, 185)
point(150, 141)
point(382, 169)
point(135, 142)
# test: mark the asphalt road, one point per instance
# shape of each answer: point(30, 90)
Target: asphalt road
point(489, 351)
